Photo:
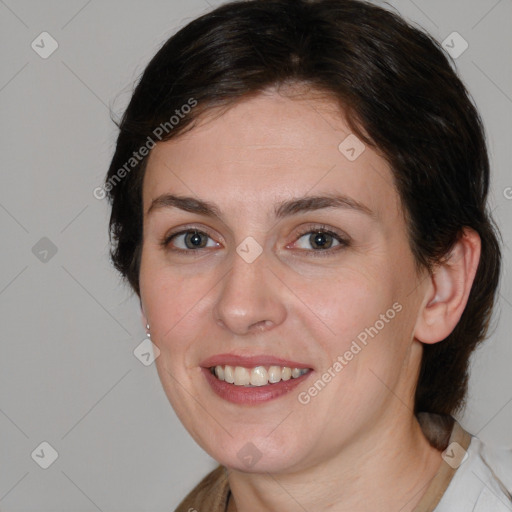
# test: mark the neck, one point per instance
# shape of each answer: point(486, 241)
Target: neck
point(393, 473)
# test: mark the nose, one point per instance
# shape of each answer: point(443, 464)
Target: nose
point(250, 299)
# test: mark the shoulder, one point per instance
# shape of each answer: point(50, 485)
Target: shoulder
point(482, 482)
point(209, 494)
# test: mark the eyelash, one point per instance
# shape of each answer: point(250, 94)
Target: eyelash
point(343, 240)
point(309, 229)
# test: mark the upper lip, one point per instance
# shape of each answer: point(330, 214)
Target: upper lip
point(250, 361)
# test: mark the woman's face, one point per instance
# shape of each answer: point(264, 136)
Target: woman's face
point(260, 277)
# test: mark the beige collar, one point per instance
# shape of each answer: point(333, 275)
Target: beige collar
point(435, 429)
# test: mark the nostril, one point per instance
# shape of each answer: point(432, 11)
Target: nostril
point(261, 325)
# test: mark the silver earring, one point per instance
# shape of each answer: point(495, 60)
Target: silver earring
point(147, 333)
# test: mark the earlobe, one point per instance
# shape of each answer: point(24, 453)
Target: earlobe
point(448, 291)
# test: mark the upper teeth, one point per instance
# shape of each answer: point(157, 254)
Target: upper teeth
point(257, 376)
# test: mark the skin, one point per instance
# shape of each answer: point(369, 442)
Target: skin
point(356, 445)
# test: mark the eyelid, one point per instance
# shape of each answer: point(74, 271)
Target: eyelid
point(343, 239)
point(183, 230)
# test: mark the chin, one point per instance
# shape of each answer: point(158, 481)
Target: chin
point(256, 455)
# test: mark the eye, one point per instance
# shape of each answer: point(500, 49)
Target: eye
point(189, 240)
point(320, 239)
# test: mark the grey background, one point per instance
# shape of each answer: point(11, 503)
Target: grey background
point(67, 370)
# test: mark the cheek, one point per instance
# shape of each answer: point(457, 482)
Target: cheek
point(344, 302)
point(367, 333)
point(176, 305)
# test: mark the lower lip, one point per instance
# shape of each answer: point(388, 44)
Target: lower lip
point(251, 395)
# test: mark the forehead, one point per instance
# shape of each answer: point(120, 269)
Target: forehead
point(269, 148)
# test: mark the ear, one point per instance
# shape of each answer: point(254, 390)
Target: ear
point(448, 290)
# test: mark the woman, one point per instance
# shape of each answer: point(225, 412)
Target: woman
point(299, 199)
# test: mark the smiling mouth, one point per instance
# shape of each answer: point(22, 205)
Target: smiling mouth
point(256, 376)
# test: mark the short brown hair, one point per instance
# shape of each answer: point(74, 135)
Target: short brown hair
point(400, 95)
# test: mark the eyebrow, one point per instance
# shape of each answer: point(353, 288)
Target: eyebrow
point(281, 210)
